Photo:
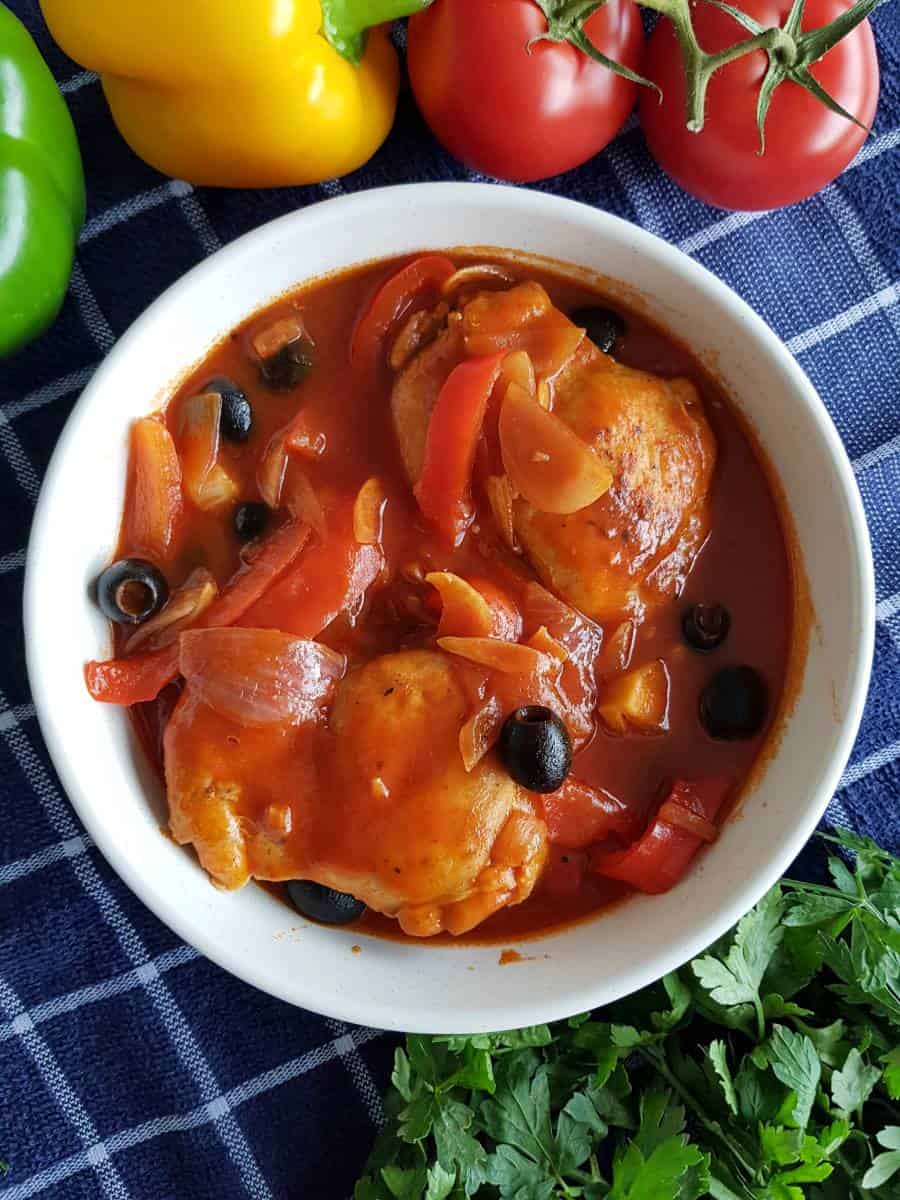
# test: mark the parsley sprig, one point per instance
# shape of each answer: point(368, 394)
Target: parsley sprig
point(766, 1069)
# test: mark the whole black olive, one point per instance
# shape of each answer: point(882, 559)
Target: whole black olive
point(236, 420)
point(734, 704)
point(536, 748)
point(705, 627)
point(604, 327)
point(323, 904)
point(250, 520)
point(131, 590)
point(287, 366)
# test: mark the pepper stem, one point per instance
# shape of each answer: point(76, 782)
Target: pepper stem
point(345, 22)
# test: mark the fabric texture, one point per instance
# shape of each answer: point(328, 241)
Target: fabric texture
point(129, 1065)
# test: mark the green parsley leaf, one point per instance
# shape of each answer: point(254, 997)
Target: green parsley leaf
point(853, 1084)
point(718, 1057)
point(440, 1182)
point(457, 1149)
point(736, 979)
point(795, 1062)
point(891, 1075)
point(885, 1166)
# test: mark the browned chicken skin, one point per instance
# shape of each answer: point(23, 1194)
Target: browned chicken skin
point(636, 543)
point(383, 807)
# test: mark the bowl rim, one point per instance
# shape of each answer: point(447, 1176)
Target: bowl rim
point(700, 934)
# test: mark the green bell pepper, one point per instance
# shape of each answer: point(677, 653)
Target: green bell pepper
point(41, 189)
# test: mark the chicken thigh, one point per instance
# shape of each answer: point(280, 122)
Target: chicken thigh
point(376, 803)
point(634, 545)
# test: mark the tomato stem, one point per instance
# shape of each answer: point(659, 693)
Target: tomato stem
point(790, 51)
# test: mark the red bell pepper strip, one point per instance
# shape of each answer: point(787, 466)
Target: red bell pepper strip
point(443, 492)
point(578, 815)
point(662, 855)
point(332, 577)
point(394, 299)
point(143, 676)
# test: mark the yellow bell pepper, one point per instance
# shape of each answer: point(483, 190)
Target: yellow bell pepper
point(241, 93)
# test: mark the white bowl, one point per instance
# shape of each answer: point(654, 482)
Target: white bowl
point(421, 987)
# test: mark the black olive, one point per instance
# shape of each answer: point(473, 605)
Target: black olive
point(131, 590)
point(236, 420)
point(250, 520)
point(734, 704)
point(324, 904)
point(604, 327)
point(287, 366)
point(705, 626)
point(536, 748)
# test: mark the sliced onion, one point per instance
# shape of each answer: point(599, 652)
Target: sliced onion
point(368, 512)
point(260, 676)
point(154, 501)
point(207, 483)
point(464, 611)
point(417, 332)
point(303, 502)
point(546, 644)
point(271, 470)
point(480, 733)
point(676, 814)
point(617, 652)
point(510, 658)
point(639, 699)
point(276, 336)
point(500, 497)
point(488, 275)
point(184, 605)
point(301, 438)
point(518, 368)
point(522, 318)
point(550, 465)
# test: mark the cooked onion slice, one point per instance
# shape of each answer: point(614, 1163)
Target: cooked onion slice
point(508, 657)
point(279, 334)
point(543, 641)
point(639, 699)
point(303, 502)
point(550, 465)
point(271, 470)
point(184, 605)
point(464, 611)
point(480, 732)
point(259, 676)
point(691, 822)
point(483, 275)
point(207, 483)
point(500, 497)
point(153, 502)
point(368, 512)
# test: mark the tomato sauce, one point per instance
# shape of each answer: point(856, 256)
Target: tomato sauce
point(745, 564)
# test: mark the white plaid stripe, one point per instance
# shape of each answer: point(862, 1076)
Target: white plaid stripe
point(10, 872)
point(201, 1115)
point(174, 1022)
point(14, 561)
point(95, 322)
point(94, 993)
point(59, 1087)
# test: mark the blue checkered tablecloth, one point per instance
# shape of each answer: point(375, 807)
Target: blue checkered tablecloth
point(129, 1065)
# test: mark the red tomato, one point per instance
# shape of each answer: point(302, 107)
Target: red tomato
point(453, 432)
point(514, 111)
point(659, 859)
point(393, 300)
point(806, 144)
